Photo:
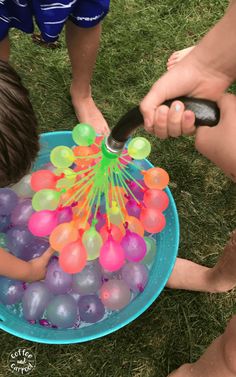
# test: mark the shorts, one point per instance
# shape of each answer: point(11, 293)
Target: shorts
point(50, 15)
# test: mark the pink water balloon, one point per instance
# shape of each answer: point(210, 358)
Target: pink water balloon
point(112, 256)
point(155, 198)
point(42, 223)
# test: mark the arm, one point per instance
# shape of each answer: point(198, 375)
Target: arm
point(15, 268)
point(206, 72)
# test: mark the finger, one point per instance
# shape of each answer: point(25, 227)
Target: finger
point(175, 119)
point(160, 122)
point(188, 120)
point(163, 89)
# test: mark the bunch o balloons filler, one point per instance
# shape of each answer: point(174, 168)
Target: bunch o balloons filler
point(99, 205)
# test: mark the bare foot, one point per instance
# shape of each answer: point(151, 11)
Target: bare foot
point(87, 112)
point(177, 56)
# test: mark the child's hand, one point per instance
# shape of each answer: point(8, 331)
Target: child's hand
point(38, 266)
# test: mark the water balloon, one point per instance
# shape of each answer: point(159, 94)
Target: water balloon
point(83, 134)
point(91, 308)
point(43, 179)
point(115, 294)
point(73, 257)
point(135, 275)
point(42, 223)
point(89, 280)
point(36, 298)
point(8, 201)
point(92, 242)
point(112, 255)
point(45, 199)
point(62, 235)
point(152, 220)
point(156, 199)
point(11, 291)
point(156, 178)
point(57, 281)
point(134, 246)
point(139, 148)
point(62, 157)
point(62, 311)
point(22, 212)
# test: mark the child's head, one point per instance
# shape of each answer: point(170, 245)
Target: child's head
point(19, 141)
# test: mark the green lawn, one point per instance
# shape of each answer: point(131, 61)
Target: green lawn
point(138, 36)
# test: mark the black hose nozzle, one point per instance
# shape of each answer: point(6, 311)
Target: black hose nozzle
point(206, 113)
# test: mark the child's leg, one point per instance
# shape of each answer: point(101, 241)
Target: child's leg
point(220, 278)
point(219, 360)
point(83, 44)
point(5, 49)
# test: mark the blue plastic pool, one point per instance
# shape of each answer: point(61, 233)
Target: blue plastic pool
point(167, 248)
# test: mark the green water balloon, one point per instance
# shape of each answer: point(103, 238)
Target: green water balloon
point(139, 148)
point(45, 199)
point(83, 134)
point(92, 242)
point(3, 240)
point(62, 157)
point(151, 251)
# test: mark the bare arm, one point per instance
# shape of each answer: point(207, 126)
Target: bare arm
point(15, 268)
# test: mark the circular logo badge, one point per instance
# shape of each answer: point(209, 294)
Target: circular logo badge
point(21, 361)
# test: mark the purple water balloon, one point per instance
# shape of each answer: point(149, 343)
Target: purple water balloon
point(89, 280)
point(62, 311)
point(135, 275)
point(18, 238)
point(8, 201)
point(36, 298)
point(22, 212)
point(5, 222)
point(34, 250)
point(136, 189)
point(91, 308)
point(57, 281)
point(133, 208)
point(115, 294)
point(64, 215)
point(11, 291)
point(134, 246)
point(76, 296)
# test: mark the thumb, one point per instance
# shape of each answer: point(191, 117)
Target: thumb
point(47, 255)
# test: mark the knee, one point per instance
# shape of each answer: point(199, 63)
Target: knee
point(229, 346)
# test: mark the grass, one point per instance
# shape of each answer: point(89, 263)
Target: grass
point(138, 36)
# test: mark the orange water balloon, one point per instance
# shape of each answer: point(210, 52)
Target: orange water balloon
point(43, 179)
point(73, 257)
point(156, 178)
point(135, 225)
point(114, 230)
point(62, 235)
